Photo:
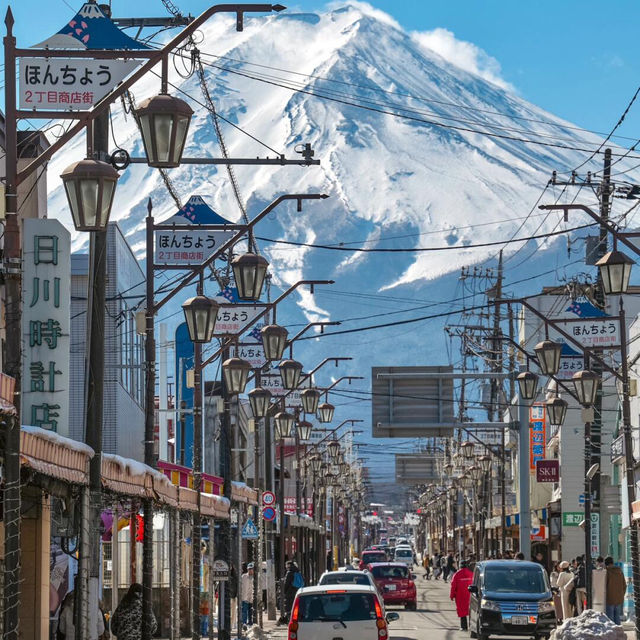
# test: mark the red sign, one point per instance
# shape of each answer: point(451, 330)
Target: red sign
point(539, 534)
point(537, 433)
point(290, 505)
point(548, 471)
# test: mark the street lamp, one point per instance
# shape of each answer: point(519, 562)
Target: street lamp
point(556, 411)
point(316, 464)
point(548, 353)
point(249, 271)
point(310, 399)
point(164, 123)
point(528, 385)
point(200, 314)
point(259, 399)
point(325, 412)
point(475, 473)
point(586, 386)
point(615, 271)
point(333, 448)
point(304, 430)
point(284, 424)
point(274, 341)
point(236, 371)
point(468, 449)
point(290, 371)
point(485, 463)
point(90, 185)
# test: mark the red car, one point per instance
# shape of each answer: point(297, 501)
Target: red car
point(370, 556)
point(395, 583)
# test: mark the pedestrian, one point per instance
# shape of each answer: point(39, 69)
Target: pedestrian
point(581, 584)
point(599, 586)
point(126, 623)
point(557, 600)
point(293, 581)
point(519, 555)
point(451, 565)
point(539, 559)
point(616, 590)
point(66, 621)
point(565, 585)
point(246, 584)
point(460, 592)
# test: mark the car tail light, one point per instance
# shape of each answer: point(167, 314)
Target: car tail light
point(381, 623)
point(293, 621)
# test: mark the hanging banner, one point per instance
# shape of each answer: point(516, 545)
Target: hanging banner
point(46, 324)
point(537, 435)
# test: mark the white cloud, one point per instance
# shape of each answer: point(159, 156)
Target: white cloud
point(465, 55)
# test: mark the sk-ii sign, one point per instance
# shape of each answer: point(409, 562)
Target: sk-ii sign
point(46, 323)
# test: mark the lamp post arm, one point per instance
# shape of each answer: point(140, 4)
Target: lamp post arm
point(156, 57)
point(339, 380)
point(305, 329)
point(229, 341)
point(319, 366)
point(586, 350)
point(196, 271)
point(611, 227)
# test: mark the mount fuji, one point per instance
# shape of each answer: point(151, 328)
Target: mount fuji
point(399, 122)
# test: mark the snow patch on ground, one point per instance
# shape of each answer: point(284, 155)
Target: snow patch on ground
point(589, 625)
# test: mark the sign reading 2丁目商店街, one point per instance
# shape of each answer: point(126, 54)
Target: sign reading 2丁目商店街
point(46, 324)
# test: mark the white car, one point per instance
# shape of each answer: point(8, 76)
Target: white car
point(348, 611)
point(347, 576)
point(404, 555)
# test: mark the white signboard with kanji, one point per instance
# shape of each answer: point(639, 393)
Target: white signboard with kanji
point(253, 353)
point(188, 247)
point(273, 382)
point(233, 318)
point(69, 84)
point(568, 366)
point(592, 332)
point(46, 322)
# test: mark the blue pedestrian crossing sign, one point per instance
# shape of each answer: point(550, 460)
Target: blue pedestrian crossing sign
point(250, 531)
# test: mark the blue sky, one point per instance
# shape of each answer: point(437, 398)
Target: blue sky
point(572, 58)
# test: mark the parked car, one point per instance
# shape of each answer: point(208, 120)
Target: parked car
point(396, 583)
point(370, 556)
point(347, 577)
point(348, 611)
point(511, 598)
point(404, 555)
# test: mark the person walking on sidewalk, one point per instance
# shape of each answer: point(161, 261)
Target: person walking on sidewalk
point(246, 582)
point(616, 589)
point(580, 584)
point(293, 581)
point(565, 584)
point(460, 592)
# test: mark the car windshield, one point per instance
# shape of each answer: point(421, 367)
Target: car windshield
point(380, 573)
point(404, 553)
point(377, 556)
point(515, 579)
point(327, 607)
point(345, 577)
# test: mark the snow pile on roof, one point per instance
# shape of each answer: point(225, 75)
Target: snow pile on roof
point(56, 438)
point(590, 625)
point(134, 467)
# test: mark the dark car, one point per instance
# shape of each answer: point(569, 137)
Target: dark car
point(370, 556)
point(395, 582)
point(511, 598)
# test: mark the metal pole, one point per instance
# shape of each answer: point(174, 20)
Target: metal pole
point(224, 632)
point(95, 378)
point(503, 498)
point(174, 575)
point(239, 572)
point(196, 536)
point(13, 353)
point(587, 512)
point(282, 530)
point(629, 468)
point(524, 478)
point(211, 587)
point(149, 426)
point(269, 527)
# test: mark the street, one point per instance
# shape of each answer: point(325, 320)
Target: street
point(435, 618)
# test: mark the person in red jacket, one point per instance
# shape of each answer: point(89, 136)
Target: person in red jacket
point(460, 592)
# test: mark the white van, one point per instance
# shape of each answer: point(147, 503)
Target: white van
point(404, 555)
point(350, 611)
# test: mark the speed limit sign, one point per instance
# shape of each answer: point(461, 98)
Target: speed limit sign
point(268, 498)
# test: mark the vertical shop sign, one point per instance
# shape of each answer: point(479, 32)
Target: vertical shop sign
point(537, 434)
point(46, 324)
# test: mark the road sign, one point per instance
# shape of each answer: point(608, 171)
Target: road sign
point(269, 513)
point(220, 570)
point(268, 498)
point(250, 531)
